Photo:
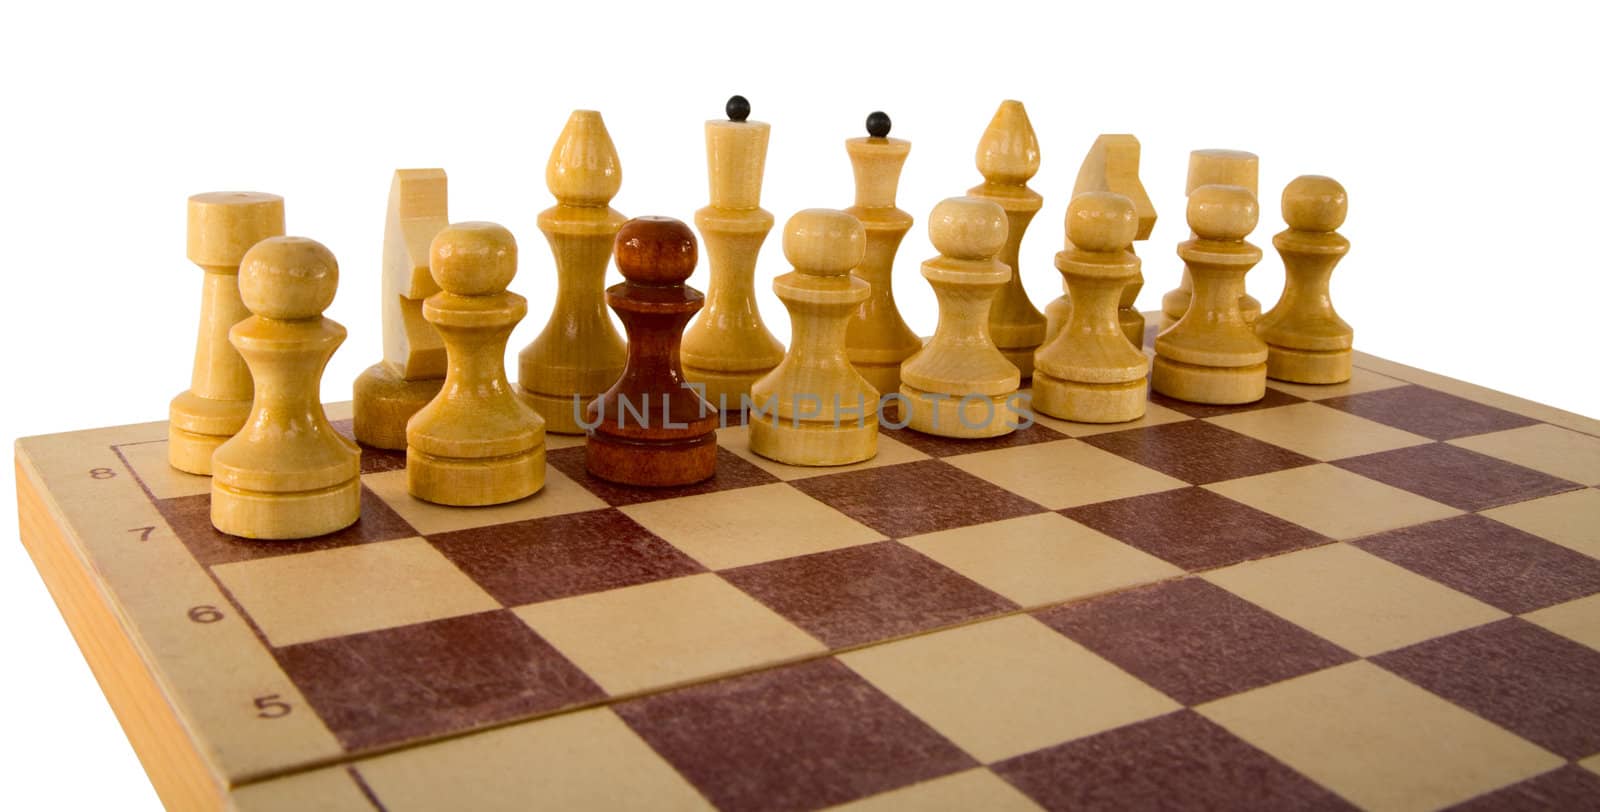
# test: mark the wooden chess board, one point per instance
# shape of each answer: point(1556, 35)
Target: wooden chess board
point(1383, 594)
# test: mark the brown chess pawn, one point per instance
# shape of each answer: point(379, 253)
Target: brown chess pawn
point(1307, 342)
point(651, 427)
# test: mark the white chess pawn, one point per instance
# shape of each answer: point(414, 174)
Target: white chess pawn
point(287, 474)
point(1307, 342)
point(960, 384)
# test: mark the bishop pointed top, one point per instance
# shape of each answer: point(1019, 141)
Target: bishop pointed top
point(1008, 153)
point(584, 169)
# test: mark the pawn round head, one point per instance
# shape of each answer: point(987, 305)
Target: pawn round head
point(288, 278)
point(473, 259)
point(1314, 203)
point(656, 251)
point(824, 242)
point(1223, 213)
point(1102, 222)
point(967, 228)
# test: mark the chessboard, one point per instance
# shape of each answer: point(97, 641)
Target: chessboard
point(1381, 594)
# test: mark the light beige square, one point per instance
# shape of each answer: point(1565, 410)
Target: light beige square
point(1361, 380)
point(961, 792)
point(1064, 473)
point(1577, 620)
point(589, 759)
point(149, 461)
point(1318, 431)
point(560, 495)
point(1004, 687)
point(1592, 764)
point(309, 596)
point(1353, 598)
point(1543, 447)
point(750, 525)
point(1154, 415)
point(1379, 741)
point(1042, 559)
point(667, 633)
point(330, 789)
point(1333, 501)
point(890, 452)
point(1570, 519)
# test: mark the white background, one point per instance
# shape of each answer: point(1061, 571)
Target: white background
point(1465, 137)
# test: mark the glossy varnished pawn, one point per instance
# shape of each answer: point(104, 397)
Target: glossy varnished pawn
point(1008, 156)
point(878, 339)
point(651, 427)
point(815, 409)
point(389, 392)
point(477, 443)
point(1213, 167)
point(1090, 372)
point(1112, 165)
point(1307, 342)
point(222, 227)
point(960, 384)
point(287, 474)
point(728, 347)
point(579, 354)
point(1211, 355)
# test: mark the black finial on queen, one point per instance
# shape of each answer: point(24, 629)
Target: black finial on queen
point(878, 124)
point(738, 108)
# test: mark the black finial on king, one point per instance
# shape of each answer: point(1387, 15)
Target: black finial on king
point(738, 108)
point(878, 124)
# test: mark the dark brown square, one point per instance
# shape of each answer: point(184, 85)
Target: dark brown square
point(1455, 476)
point(868, 593)
point(1569, 788)
point(1198, 452)
point(915, 497)
point(936, 446)
point(190, 519)
point(1193, 641)
point(1195, 528)
point(1530, 681)
point(1180, 760)
point(798, 737)
point(429, 679)
point(732, 472)
point(557, 556)
point(373, 460)
point(1274, 397)
point(1428, 412)
point(1499, 565)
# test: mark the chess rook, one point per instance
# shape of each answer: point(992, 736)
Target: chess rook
point(287, 474)
point(877, 339)
point(960, 384)
point(1213, 167)
point(1211, 355)
point(728, 347)
point(1091, 372)
point(651, 427)
point(1008, 156)
point(476, 443)
point(815, 409)
point(389, 392)
point(579, 354)
point(1307, 342)
point(1112, 165)
point(222, 227)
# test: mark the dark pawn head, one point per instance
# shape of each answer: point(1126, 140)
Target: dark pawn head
point(878, 124)
point(656, 251)
point(738, 108)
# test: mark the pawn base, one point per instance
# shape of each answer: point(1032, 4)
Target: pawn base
point(385, 402)
point(190, 452)
point(1088, 402)
point(198, 425)
point(968, 416)
point(651, 463)
point(560, 412)
point(285, 516)
point(465, 482)
point(883, 377)
point(814, 444)
point(1021, 358)
point(1306, 366)
point(1218, 386)
point(724, 390)
point(1132, 322)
